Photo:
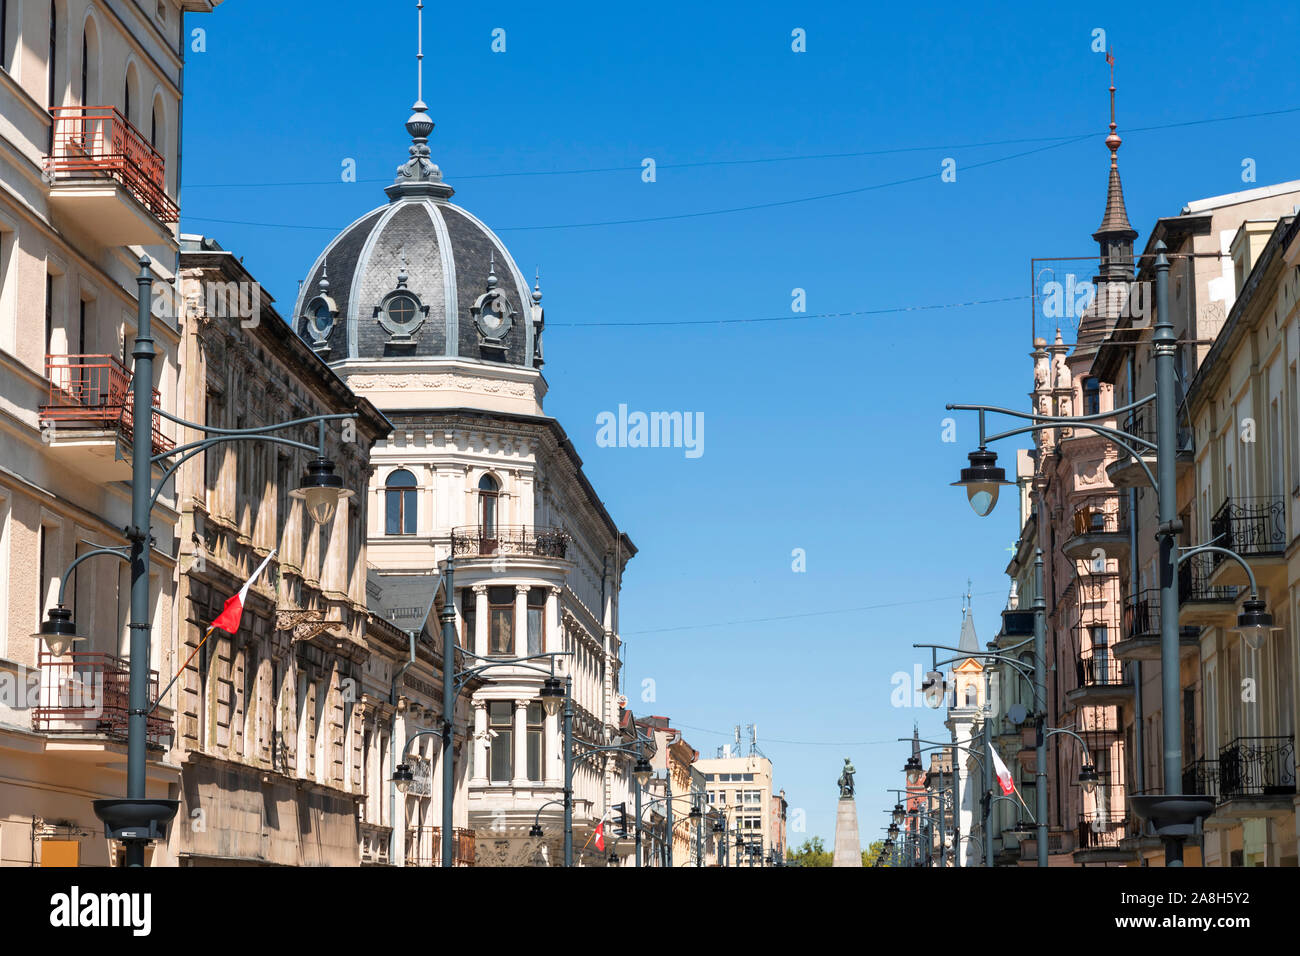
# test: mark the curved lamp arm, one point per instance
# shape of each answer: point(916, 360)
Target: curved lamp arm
point(71, 569)
point(1214, 548)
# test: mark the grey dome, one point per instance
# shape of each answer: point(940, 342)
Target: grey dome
point(418, 277)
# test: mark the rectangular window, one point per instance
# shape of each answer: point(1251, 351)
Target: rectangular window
point(1091, 396)
point(536, 741)
point(501, 621)
point(42, 574)
point(500, 746)
point(468, 614)
point(53, 60)
point(536, 615)
point(49, 315)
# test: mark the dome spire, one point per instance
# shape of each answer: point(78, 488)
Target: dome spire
point(1115, 235)
point(419, 176)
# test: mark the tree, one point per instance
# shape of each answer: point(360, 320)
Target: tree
point(812, 853)
point(871, 853)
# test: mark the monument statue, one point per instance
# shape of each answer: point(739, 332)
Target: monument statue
point(846, 779)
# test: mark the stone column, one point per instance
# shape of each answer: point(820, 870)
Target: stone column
point(480, 778)
point(521, 620)
point(480, 620)
point(521, 744)
point(551, 624)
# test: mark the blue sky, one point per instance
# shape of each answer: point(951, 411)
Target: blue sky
point(820, 433)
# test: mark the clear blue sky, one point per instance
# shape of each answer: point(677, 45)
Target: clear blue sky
point(821, 434)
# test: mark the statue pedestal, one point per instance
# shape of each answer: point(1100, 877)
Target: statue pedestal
point(848, 846)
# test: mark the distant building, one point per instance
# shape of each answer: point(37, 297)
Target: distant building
point(740, 790)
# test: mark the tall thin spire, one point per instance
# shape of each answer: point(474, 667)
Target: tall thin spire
point(1115, 227)
point(419, 175)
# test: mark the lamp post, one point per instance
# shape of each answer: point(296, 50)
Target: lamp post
point(137, 820)
point(1173, 814)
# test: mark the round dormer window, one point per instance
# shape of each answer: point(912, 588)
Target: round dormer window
point(322, 319)
point(402, 311)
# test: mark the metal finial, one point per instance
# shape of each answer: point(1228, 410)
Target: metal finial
point(419, 53)
point(401, 274)
point(324, 284)
point(492, 270)
point(1113, 141)
point(537, 286)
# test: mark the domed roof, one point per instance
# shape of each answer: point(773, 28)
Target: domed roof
point(419, 277)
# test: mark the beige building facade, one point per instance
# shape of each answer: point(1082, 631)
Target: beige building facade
point(90, 95)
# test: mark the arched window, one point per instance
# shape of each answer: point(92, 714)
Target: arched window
point(488, 491)
point(972, 695)
point(399, 502)
point(155, 128)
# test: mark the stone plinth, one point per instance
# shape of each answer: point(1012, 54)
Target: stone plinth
point(848, 848)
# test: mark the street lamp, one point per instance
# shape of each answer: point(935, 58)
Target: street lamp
point(321, 491)
point(642, 771)
point(552, 695)
point(1088, 778)
point(898, 814)
point(403, 777)
point(58, 631)
point(913, 769)
point(1254, 624)
point(982, 480)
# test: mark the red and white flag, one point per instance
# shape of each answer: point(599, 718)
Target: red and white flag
point(600, 836)
point(1004, 775)
point(228, 619)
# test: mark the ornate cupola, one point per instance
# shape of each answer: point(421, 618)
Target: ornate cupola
point(1115, 235)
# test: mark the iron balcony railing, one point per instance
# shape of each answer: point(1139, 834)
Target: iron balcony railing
point(88, 693)
point(1098, 668)
point(1193, 582)
point(509, 539)
point(1142, 614)
point(1143, 425)
point(1202, 776)
point(95, 391)
point(1257, 767)
point(1102, 831)
point(1101, 515)
point(93, 142)
point(1250, 526)
point(424, 846)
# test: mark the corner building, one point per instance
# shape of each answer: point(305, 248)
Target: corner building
point(420, 308)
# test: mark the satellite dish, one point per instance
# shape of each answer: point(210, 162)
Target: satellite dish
point(1017, 713)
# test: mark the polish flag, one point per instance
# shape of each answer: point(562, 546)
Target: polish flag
point(228, 619)
point(1004, 775)
point(600, 836)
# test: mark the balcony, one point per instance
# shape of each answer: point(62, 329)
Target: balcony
point(1100, 679)
point(1099, 531)
point(88, 694)
point(1127, 473)
point(106, 178)
point(521, 540)
point(424, 846)
point(1202, 777)
point(1141, 630)
point(1198, 602)
point(1099, 837)
point(1256, 529)
point(88, 419)
point(1256, 767)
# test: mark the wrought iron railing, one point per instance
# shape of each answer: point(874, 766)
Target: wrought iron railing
point(1101, 515)
point(509, 539)
point(1142, 614)
point(88, 693)
point(1102, 831)
point(1249, 526)
point(95, 391)
point(424, 846)
point(1257, 767)
point(1193, 581)
point(97, 141)
point(1143, 425)
point(1098, 668)
point(1202, 776)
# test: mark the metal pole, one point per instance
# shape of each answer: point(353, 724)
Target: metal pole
point(139, 533)
point(699, 838)
point(956, 801)
point(668, 804)
point(1040, 705)
point(449, 695)
point(1166, 344)
point(988, 770)
point(637, 784)
point(943, 836)
point(568, 771)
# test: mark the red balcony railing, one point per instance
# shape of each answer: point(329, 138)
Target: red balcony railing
point(95, 391)
point(89, 694)
point(97, 141)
